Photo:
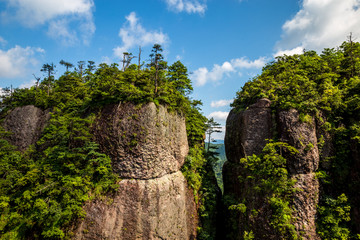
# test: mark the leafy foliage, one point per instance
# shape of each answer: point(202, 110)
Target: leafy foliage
point(334, 213)
point(268, 179)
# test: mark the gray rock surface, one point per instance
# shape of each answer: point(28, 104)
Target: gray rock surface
point(302, 167)
point(161, 208)
point(247, 131)
point(147, 146)
point(246, 134)
point(302, 136)
point(26, 124)
point(144, 142)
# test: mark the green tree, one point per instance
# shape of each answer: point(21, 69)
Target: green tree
point(157, 61)
point(211, 127)
point(178, 75)
point(66, 64)
point(49, 69)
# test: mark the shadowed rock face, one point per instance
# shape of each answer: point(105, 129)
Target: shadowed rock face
point(302, 167)
point(26, 124)
point(247, 131)
point(143, 209)
point(144, 142)
point(302, 136)
point(246, 134)
point(147, 146)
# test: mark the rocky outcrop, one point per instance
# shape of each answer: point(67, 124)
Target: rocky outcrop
point(302, 167)
point(247, 131)
point(246, 134)
point(25, 125)
point(147, 145)
point(143, 209)
point(143, 142)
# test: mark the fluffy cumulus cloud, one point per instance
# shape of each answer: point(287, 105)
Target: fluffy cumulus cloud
point(221, 103)
point(188, 6)
point(219, 116)
point(134, 34)
point(16, 61)
point(202, 75)
point(57, 14)
point(320, 24)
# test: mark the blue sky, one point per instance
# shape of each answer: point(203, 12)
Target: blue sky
point(224, 43)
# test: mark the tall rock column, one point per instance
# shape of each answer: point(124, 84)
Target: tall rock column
point(302, 167)
point(147, 146)
point(246, 134)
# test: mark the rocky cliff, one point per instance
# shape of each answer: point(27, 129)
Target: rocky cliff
point(25, 124)
point(147, 146)
point(247, 132)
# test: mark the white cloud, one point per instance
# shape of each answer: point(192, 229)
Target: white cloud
point(321, 24)
point(28, 84)
point(15, 61)
point(221, 103)
point(134, 34)
point(58, 14)
point(219, 116)
point(297, 50)
point(202, 75)
point(188, 6)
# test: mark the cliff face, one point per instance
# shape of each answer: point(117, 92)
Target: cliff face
point(160, 208)
point(143, 142)
point(246, 134)
point(302, 167)
point(148, 146)
point(26, 124)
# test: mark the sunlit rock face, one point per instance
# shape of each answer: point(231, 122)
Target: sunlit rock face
point(25, 125)
point(148, 146)
point(143, 142)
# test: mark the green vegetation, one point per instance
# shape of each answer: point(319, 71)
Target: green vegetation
point(268, 179)
point(327, 87)
point(198, 170)
point(220, 156)
point(43, 190)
